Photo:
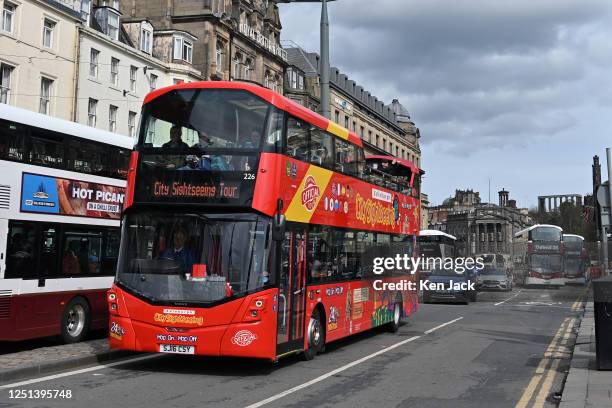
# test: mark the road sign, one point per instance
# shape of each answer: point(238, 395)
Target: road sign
point(603, 198)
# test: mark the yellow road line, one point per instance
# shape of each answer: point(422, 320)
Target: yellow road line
point(541, 369)
point(552, 371)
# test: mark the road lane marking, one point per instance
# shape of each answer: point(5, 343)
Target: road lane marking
point(442, 325)
point(344, 367)
point(81, 371)
point(511, 297)
point(552, 371)
point(541, 369)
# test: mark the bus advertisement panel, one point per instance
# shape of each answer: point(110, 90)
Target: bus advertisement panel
point(252, 227)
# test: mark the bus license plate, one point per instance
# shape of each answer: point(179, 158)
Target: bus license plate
point(173, 348)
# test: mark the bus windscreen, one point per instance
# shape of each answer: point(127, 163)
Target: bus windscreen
point(194, 258)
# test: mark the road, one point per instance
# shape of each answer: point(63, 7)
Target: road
point(506, 350)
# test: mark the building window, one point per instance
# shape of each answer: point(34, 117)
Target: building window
point(267, 79)
point(361, 130)
point(390, 147)
point(114, 77)
point(94, 55)
point(370, 137)
point(113, 26)
point(377, 140)
point(277, 84)
point(133, 76)
point(86, 10)
point(346, 122)
point(145, 40)
point(45, 95)
point(6, 71)
point(183, 49)
point(337, 117)
point(300, 81)
point(248, 69)
point(237, 63)
point(219, 56)
point(112, 118)
point(152, 82)
point(8, 16)
point(354, 126)
point(396, 151)
point(132, 124)
point(48, 28)
point(91, 112)
point(403, 153)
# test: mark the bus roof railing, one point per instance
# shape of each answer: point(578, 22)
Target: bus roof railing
point(38, 120)
point(521, 232)
point(436, 233)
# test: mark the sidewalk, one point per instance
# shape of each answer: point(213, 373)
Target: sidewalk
point(585, 386)
point(49, 360)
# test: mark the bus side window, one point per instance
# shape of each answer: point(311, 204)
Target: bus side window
point(48, 247)
point(109, 257)
point(21, 255)
point(298, 139)
point(12, 141)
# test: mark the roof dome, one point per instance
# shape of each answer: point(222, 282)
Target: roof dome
point(401, 113)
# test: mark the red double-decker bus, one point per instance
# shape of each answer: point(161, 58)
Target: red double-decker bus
point(251, 228)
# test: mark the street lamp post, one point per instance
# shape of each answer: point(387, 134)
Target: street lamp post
point(324, 51)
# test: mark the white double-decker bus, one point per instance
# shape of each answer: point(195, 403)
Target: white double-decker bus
point(62, 187)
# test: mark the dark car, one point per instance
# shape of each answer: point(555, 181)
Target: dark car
point(444, 285)
point(492, 278)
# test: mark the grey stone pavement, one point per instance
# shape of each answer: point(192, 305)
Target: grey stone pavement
point(47, 360)
point(585, 386)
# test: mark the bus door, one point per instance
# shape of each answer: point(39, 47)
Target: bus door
point(291, 297)
point(3, 245)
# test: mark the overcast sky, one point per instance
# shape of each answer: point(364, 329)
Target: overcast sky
point(516, 91)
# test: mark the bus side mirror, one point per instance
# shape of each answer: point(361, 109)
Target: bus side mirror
point(278, 227)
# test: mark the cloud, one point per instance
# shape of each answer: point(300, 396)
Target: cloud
point(476, 75)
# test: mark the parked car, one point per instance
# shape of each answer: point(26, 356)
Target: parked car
point(449, 286)
point(495, 278)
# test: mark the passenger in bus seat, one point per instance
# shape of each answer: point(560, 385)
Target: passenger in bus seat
point(176, 142)
point(70, 263)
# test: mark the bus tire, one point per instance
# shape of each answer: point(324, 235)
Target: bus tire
point(316, 335)
point(393, 325)
point(75, 320)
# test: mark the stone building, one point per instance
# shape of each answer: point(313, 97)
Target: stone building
point(38, 59)
point(119, 64)
point(480, 227)
point(227, 39)
point(384, 129)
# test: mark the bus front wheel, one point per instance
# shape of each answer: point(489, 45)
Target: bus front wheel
point(393, 325)
point(75, 321)
point(316, 336)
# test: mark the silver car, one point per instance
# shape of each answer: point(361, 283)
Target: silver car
point(491, 278)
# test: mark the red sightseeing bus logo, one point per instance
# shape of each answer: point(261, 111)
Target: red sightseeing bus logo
point(310, 194)
point(243, 338)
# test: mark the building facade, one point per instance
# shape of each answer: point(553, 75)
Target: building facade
point(230, 39)
point(480, 227)
point(120, 64)
point(38, 56)
point(384, 129)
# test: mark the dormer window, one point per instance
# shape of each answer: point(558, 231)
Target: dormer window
point(183, 49)
point(146, 38)
point(111, 3)
point(113, 25)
